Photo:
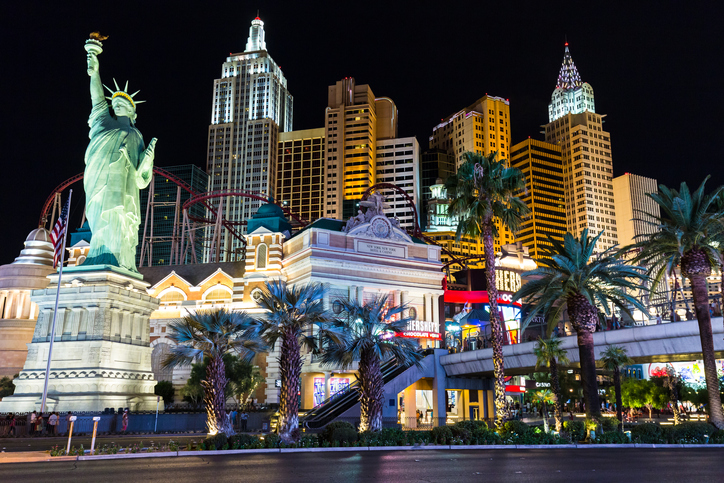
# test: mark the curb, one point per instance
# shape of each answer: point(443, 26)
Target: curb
point(174, 454)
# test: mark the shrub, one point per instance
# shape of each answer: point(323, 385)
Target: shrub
point(515, 426)
point(217, 441)
point(485, 436)
point(385, 437)
point(308, 441)
point(441, 435)
point(576, 430)
point(344, 436)
point(646, 433)
point(271, 440)
point(690, 432)
point(471, 425)
point(535, 436)
point(606, 425)
point(244, 441)
point(328, 431)
point(461, 434)
point(611, 437)
point(717, 438)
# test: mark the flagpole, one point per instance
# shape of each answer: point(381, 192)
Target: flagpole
point(55, 312)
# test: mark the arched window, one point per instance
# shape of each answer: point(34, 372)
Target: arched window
point(172, 296)
point(157, 357)
point(261, 256)
point(220, 293)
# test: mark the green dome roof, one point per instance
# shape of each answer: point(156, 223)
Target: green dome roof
point(268, 210)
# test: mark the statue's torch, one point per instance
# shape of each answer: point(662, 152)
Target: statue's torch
point(94, 45)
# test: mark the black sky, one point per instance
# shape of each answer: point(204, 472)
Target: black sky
point(655, 67)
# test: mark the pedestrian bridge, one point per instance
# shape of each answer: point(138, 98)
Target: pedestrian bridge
point(668, 342)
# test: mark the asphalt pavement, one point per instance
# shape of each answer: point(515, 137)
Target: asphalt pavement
point(544, 465)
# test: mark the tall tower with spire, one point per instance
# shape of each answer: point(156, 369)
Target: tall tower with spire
point(251, 106)
point(586, 153)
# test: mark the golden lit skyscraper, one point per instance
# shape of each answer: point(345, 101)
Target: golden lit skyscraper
point(586, 152)
point(633, 207)
point(354, 121)
point(542, 167)
point(300, 172)
point(482, 128)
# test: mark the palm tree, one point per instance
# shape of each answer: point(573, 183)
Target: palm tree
point(689, 234)
point(484, 191)
point(292, 314)
point(545, 397)
point(370, 331)
point(613, 359)
point(570, 277)
point(212, 334)
point(550, 354)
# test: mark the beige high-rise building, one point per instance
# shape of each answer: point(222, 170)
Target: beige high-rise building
point(398, 163)
point(586, 153)
point(633, 207)
point(300, 172)
point(482, 128)
point(355, 120)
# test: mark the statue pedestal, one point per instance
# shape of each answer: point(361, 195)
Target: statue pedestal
point(101, 354)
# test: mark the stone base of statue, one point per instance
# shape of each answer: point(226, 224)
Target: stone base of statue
point(101, 354)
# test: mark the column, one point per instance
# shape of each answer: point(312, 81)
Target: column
point(24, 312)
point(327, 376)
point(125, 325)
point(436, 309)
point(439, 409)
point(59, 322)
point(352, 292)
point(135, 326)
point(74, 321)
point(325, 302)
point(409, 417)
point(428, 307)
point(360, 295)
point(3, 302)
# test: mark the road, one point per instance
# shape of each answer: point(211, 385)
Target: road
point(511, 466)
point(45, 443)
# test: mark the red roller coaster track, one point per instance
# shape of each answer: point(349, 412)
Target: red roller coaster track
point(202, 197)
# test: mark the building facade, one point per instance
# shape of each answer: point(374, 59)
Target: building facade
point(542, 167)
point(636, 213)
point(301, 172)
point(398, 162)
point(586, 152)
point(354, 121)
point(157, 238)
point(251, 106)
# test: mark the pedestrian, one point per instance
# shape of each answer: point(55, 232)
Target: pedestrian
point(33, 420)
point(12, 425)
point(689, 315)
point(125, 421)
point(244, 419)
point(658, 319)
point(53, 422)
point(39, 425)
point(232, 416)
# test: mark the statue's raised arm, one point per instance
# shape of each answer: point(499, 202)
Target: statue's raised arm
point(117, 165)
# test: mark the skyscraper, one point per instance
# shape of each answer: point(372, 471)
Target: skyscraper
point(300, 172)
point(481, 128)
point(251, 105)
point(542, 167)
point(355, 120)
point(398, 163)
point(634, 208)
point(167, 201)
point(586, 153)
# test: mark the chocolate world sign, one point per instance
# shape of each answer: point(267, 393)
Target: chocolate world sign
point(422, 329)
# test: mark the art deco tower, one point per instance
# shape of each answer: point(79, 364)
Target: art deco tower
point(251, 105)
point(586, 153)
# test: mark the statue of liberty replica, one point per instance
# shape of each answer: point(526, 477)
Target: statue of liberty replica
point(101, 354)
point(117, 165)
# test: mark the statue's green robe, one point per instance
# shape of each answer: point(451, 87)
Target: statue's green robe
point(112, 181)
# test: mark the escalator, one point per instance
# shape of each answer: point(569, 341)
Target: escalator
point(336, 405)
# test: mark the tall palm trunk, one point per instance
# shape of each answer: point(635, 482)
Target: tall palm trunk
point(558, 404)
point(584, 317)
point(214, 398)
point(501, 410)
point(619, 403)
point(701, 302)
point(290, 368)
point(371, 392)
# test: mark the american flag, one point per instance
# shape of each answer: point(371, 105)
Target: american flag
point(58, 234)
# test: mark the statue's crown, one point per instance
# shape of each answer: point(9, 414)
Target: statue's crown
point(122, 93)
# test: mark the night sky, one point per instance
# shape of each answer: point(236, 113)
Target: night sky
point(655, 67)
